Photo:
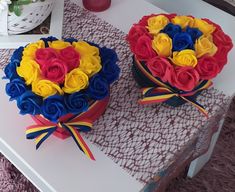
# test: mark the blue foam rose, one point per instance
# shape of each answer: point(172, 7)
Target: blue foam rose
point(10, 71)
point(195, 33)
point(53, 108)
point(29, 103)
point(70, 40)
point(76, 103)
point(171, 29)
point(110, 70)
point(17, 56)
point(15, 88)
point(182, 41)
point(98, 87)
point(48, 39)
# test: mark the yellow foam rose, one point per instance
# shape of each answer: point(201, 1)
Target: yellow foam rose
point(75, 81)
point(162, 44)
point(84, 49)
point(30, 49)
point(183, 21)
point(46, 88)
point(58, 44)
point(29, 70)
point(204, 45)
point(157, 23)
point(203, 26)
point(185, 58)
point(90, 65)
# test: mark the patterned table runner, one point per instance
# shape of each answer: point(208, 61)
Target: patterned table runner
point(149, 142)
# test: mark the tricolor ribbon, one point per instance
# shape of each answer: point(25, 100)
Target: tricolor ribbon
point(163, 92)
point(73, 125)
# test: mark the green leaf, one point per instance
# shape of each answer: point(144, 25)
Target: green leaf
point(11, 7)
point(23, 2)
point(17, 10)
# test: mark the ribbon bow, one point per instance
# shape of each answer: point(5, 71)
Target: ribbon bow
point(162, 92)
point(45, 128)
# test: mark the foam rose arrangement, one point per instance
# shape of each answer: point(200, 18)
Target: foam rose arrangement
point(63, 84)
point(175, 57)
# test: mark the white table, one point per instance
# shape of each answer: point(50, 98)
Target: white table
point(48, 169)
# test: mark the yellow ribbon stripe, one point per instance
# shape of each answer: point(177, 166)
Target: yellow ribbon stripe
point(79, 123)
point(36, 129)
point(80, 141)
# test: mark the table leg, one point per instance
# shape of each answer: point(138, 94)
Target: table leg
point(199, 163)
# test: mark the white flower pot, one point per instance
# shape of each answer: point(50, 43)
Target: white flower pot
point(32, 16)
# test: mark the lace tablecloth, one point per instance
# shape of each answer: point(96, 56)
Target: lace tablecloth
point(151, 143)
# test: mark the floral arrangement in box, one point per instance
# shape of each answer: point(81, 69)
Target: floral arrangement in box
point(63, 85)
point(175, 57)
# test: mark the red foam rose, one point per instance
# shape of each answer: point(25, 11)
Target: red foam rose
point(207, 68)
point(144, 20)
point(160, 67)
point(55, 70)
point(70, 57)
point(185, 78)
point(143, 49)
point(224, 45)
point(44, 55)
point(134, 34)
point(222, 39)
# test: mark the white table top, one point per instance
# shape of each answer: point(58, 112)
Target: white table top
point(59, 165)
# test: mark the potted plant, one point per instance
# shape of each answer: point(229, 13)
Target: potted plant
point(20, 16)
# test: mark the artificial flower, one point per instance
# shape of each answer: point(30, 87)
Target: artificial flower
point(143, 48)
point(205, 46)
point(46, 88)
point(185, 78)
point(134, 34)
point(15, 88)
point(55, 71)
point(44, 55)
point(98, 87)
point(185, 58)
point(208, 68)
point(171, 30)
point(160, 67)
point(75, 81)
point(194, 33)
point(29, 103)
point(183, 21)
point(53, 108)
point(58, 44)
point(162, 44)
point(157, 23)
point(85, 49)
point(76, 103)
point(90, 65)
point(182, 41)
point(71, 57)
point(30, 49)
point(29, 70)
point(110, 70)
point(203, 26)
